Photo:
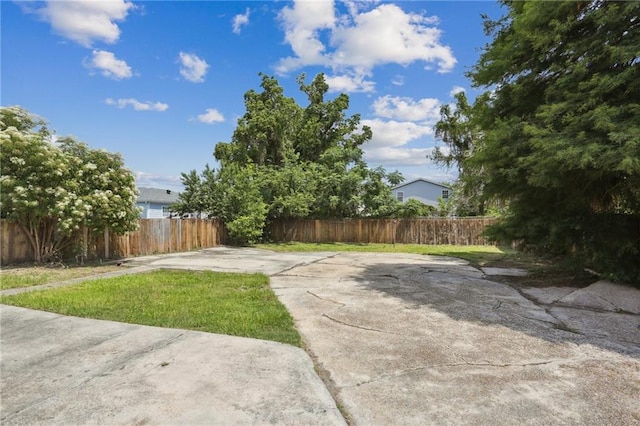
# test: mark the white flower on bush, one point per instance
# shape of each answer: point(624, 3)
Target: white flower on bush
point(17, 161)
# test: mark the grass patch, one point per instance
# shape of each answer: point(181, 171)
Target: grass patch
point(215, 302)
point(28, 276)
point(476, 255)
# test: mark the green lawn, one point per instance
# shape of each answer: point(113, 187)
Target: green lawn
point(477, 255)
point(225, 303)
point(16, 277)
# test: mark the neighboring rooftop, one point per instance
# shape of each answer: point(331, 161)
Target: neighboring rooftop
point(423, 180)
point(157, 195)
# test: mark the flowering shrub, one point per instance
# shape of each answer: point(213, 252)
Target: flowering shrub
point(51, 189)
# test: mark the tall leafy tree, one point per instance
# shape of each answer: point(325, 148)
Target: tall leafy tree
point(561, 125)
point(265, 134)
point(240, 203)
point(51, 190)
point(302, 161)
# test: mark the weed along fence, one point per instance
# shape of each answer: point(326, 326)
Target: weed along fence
point(458, 231)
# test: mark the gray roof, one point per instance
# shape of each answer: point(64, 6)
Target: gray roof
point(157, 195)
point(423, 180)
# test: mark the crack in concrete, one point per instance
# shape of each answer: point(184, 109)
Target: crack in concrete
point(357, 326)
point(458, 364)
point(303, 264)
point(553, 324)
point(568, 294)
point(326, 300)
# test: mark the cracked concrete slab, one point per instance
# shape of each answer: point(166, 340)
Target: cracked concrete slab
point(228, 259)
point(398, 339)
point(59, 370)
point(547, 295)
point(607, 296)
point(413, 340)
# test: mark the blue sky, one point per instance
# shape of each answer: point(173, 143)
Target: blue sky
point(161, 82)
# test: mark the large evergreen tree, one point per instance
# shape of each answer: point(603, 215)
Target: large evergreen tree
point(561, 127)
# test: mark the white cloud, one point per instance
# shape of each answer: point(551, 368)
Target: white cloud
point(302, 24)
point(396, 157)
point(398, 80)
point(109, 65)
point(137, 105)
point(85, 21)
point(360, 41)
point(395, 133)
point(192, 67)
point(387, 34)
point(390, 140)
point(350, 83)
point(401, 108)
point(240, 20)
point(211, 116)
point(152, 180)
point(455, 90)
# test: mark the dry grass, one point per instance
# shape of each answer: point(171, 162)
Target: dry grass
point(27, 276)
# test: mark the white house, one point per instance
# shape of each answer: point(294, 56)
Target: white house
point(155, 203)
point(422, 190)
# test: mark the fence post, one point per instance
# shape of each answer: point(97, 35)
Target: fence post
point(106, 242)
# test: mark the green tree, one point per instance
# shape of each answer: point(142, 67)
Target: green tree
point(196, 196)
point(240, 203)
point(51, 190)
point(462, 136)
point(561, 125)
point(294, 161)
point(414, 208)
point(264, 134)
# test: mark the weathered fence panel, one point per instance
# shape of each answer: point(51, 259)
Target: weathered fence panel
point(455, 231)
point(154, 236)
point(14, 242)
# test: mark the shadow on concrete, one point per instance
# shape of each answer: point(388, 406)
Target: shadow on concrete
point(464, 294)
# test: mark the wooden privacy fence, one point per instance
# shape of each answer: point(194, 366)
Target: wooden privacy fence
point(154, 236)
point(15, 246)
point(455, 231)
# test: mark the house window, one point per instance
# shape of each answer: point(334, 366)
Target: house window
point(400, 196)
point(445, 194)
point(166, 211)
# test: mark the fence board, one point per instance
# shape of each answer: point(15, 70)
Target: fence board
point(15, 246)
point(437, 231)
